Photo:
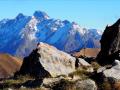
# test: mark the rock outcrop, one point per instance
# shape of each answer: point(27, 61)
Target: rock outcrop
point(47, 61)
point(110, 44)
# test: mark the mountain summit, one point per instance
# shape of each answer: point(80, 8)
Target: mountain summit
point(19, 36)
point(40, 15)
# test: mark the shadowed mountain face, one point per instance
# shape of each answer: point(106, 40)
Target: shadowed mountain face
point(110, 44)
point(9, 65)
point(20, 36)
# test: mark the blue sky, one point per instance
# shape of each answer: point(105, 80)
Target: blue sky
point(87, 13)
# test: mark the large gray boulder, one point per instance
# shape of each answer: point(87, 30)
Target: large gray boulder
point(47, 61)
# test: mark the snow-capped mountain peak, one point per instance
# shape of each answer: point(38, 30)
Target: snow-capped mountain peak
point(24, 32)
point(20, 16)
point(77, 27)
point(30, 29)
point(40, 15)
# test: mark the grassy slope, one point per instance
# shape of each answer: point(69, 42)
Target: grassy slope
point(8, 65)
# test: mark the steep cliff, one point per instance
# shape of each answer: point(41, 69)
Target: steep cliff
point(110, 44)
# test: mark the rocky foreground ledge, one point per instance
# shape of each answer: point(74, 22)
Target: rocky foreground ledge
point(47, 68)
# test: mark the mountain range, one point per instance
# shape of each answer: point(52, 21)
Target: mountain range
point(19, 36)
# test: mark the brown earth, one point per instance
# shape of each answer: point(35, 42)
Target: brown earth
point(117, 86)
point(88, 52)
point(9, 65)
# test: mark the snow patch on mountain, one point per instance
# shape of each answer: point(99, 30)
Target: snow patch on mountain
point(28, 38)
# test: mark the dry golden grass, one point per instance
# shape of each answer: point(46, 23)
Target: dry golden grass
point(95, 65)
point(20, 79)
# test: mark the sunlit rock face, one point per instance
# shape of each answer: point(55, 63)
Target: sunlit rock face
point(110, 44)
point(46, 61)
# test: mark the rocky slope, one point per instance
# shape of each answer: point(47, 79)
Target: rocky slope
point(24, 32)
point(9, 65)
point(110, 44)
